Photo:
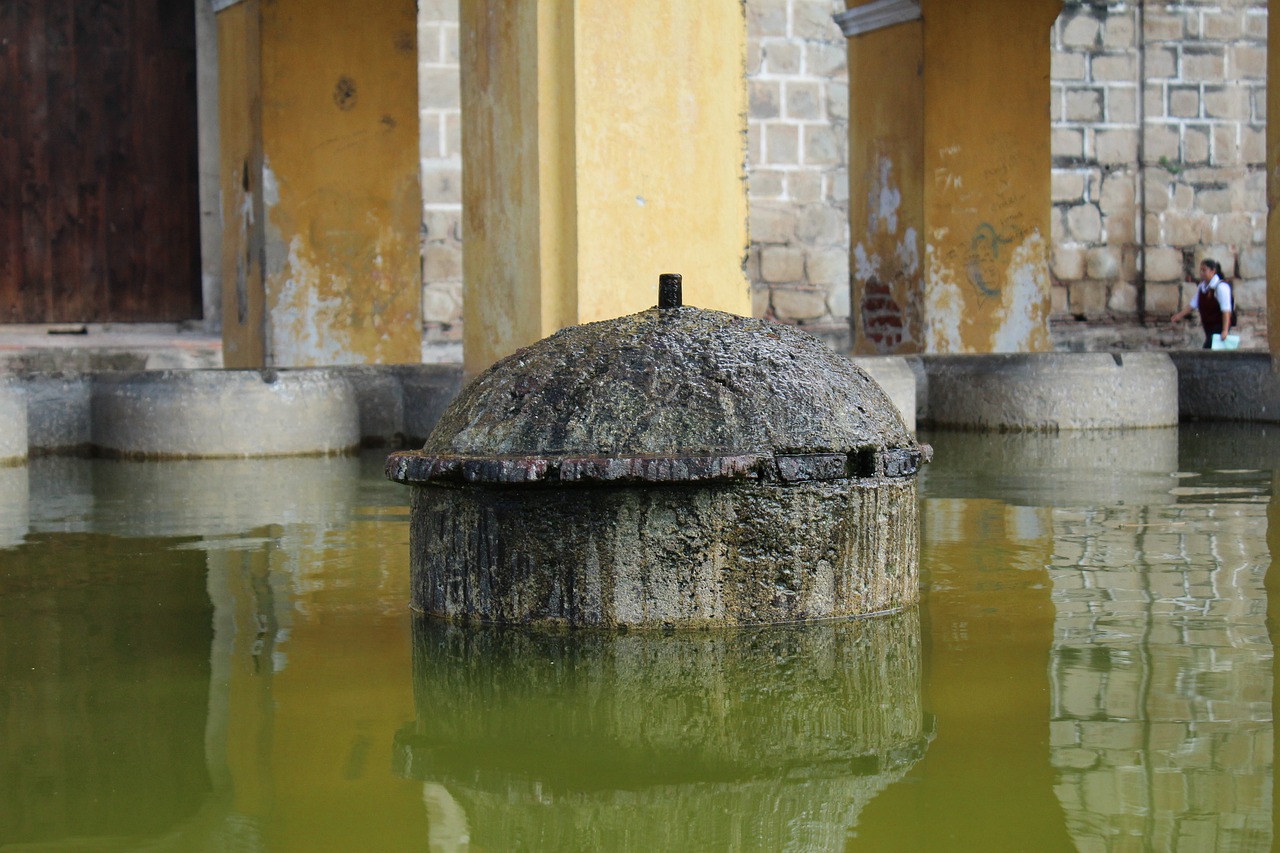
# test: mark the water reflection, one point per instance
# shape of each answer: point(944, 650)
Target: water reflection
point(205, 655)
point(1159, 670)
point(191, 497)
point(217, 655)
point(1080, 468)
point(104, 689)
point(768, 739)
point(14, 510)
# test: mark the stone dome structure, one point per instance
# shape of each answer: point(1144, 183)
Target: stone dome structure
point(671, 381)
point(675, 466)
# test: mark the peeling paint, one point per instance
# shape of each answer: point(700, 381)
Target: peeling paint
point(944, 306)
point(329, 242)
point(865, 265)
point(303, 319)
point(1024, 324)
point(908, 253)
point(270, 186)
point(889, 199)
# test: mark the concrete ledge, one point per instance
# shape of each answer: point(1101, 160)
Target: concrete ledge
point(223, 413)
point(57, 412)
point(428, 391)
point(1227, 386)
point(380, 400)
point(401, 403)
point(1050, 391)
point(13, 423)
point(895, 376)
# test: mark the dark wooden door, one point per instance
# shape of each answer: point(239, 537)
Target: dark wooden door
point(99, 215)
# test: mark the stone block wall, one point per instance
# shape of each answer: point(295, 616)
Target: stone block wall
point(440, 123)
point(1158, 126)
point(797, 165)
point(1159, 121)
point(798, 262)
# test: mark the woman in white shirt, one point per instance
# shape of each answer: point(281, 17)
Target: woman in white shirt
point(1213, 299)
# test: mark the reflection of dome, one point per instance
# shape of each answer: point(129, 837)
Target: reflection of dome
point(776, 481)
point(746, 739)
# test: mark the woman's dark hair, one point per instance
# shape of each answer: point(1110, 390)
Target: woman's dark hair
point(1213, 265)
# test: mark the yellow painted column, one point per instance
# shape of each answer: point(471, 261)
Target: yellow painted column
point(1273, 189)
point(603, 144)
point(949, 179)
point(886, 202)
point(318, 102)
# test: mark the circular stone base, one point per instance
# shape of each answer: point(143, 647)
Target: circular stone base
point(894, 375)
point(58, 411)
point(745, 553)
point(1228, 386)
point(13, 423)
point(224, 413)
point(1051, 391)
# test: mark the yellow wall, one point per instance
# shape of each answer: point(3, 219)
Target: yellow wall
point(949, 179)
point(598, 152)
point(886, 207)
point(987, 163)
point(335, 200)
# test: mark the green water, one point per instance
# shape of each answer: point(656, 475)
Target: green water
point(217, 656)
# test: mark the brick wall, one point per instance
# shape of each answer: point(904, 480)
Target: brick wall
point(1158, 117)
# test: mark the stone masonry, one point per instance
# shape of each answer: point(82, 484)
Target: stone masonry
point(1158, 117)
point(797, 165)
point(798, 262)
point(440, 123)
point(1158, 120)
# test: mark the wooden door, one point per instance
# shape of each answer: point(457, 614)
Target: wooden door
point(99, 215)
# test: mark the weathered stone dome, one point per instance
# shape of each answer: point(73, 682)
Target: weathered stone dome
point(671, 382)
point(675, 467)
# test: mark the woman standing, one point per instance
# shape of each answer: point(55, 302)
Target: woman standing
point(1213, 299)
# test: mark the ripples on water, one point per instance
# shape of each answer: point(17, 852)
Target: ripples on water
point(217, 655)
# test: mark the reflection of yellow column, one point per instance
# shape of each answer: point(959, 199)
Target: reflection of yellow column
point(320, 186)
point(1272, 582)
point(317, 685)
point(886, 199)
point(253, 623)
point(949, 170)
point(986, 782)
point(603, 145)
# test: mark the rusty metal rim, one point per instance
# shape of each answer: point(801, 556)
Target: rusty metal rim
point(417, 467)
